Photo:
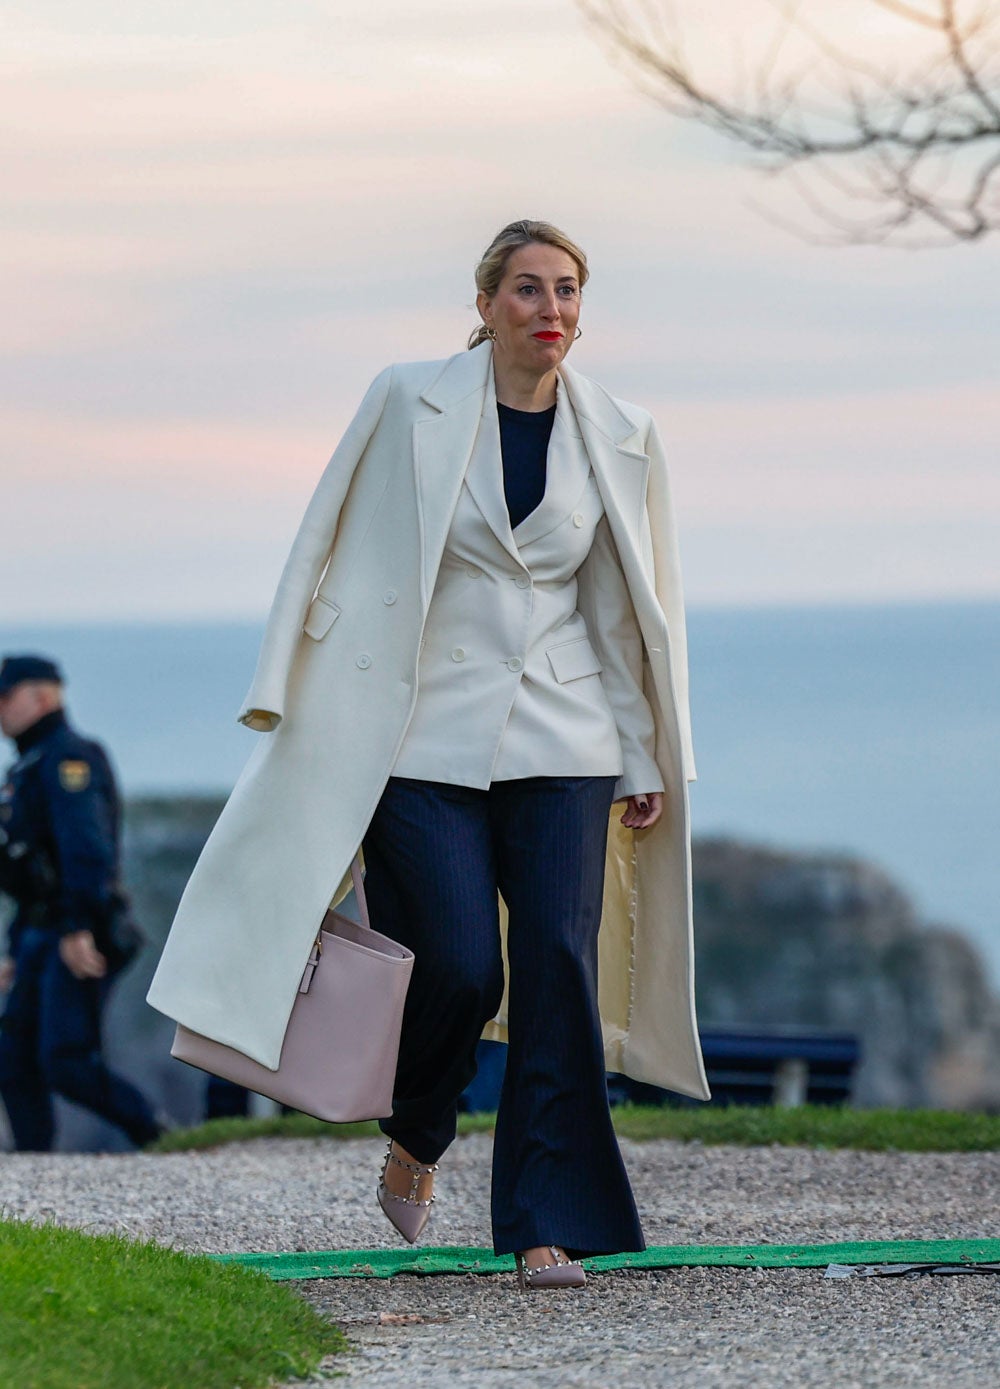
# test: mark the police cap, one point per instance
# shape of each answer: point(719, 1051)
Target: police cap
point(15, 669)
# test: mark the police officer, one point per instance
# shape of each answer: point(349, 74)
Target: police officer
point(69, 940)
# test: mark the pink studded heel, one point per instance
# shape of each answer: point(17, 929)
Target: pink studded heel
point(562, 1273)
point(406, 1213)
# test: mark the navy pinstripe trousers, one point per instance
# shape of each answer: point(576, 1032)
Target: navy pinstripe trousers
point(435, 857)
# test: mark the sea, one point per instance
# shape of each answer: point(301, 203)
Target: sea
point(872, 730)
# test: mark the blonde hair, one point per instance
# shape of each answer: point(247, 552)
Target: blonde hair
point(491, 269)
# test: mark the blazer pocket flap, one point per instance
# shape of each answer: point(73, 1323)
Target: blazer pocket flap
point(571, 660)
point(320, 618)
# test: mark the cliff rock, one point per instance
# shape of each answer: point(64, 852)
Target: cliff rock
point(829, 940)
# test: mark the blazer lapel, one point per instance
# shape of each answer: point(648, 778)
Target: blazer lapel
point(566, 472)
point(442, 446)
point(621, 470)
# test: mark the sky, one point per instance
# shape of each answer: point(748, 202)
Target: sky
point(222, 221)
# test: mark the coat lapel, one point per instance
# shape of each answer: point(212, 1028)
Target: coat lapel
point(621, 469)
point(484, 478)
point(442, 447)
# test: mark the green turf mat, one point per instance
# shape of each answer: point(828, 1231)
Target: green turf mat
point(384, 1263)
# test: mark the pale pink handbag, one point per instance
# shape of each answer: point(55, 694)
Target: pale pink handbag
point(338, 1059)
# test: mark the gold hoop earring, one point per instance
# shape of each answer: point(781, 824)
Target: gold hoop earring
point(491, 333)
point(579, 334)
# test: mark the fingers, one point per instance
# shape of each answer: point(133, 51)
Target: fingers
point(81, 957)
point(95, 967)
point(92, 963)
point(87, 969)
point(642, 811)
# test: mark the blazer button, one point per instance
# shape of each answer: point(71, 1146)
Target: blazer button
point(389, 597)
point(523, 581)
point(363, 661)
point(515, 664)
point(578, 519)
point(472, 571)
point(458, 654)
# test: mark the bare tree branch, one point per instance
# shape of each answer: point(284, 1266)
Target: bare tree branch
point(909, 12)
point(923, 144)
point(956, 44)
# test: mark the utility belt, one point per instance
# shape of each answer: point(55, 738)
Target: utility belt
point(36, 916)
point(117, 935)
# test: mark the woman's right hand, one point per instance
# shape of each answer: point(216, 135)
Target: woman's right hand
point(643, 810)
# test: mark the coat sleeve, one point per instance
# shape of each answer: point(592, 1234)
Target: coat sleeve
point(665, 556)
point(264, 705)
point(614, 633)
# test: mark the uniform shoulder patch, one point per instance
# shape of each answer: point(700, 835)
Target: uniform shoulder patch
point(74, 775)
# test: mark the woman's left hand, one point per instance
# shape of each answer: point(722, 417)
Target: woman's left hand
point(643, 810)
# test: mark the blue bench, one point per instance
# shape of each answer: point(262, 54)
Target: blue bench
point(785, 1065)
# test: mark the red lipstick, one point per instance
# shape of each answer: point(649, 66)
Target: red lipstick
point(547, 337)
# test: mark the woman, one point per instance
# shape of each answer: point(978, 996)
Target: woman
point(476, 647)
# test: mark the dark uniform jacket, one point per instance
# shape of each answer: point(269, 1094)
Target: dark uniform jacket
point(59, 831)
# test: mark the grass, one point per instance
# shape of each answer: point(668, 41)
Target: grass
point(218, 1131)
point(83, 1311)
point(817, 1126)
point(813, 1126)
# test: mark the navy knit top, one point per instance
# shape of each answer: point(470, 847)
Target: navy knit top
point(524, 445)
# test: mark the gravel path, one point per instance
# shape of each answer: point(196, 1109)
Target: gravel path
point(725, 1327)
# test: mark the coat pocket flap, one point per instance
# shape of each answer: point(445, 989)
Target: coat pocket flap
point(571, 660)
point(320, 618)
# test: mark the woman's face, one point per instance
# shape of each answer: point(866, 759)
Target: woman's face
point(535, 309)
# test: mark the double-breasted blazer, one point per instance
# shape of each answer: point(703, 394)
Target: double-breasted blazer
point(335, 690)
point(510, 681)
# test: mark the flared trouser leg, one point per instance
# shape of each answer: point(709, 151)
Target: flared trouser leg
point(435, 856)
point(558, 1175)
point(430, 881)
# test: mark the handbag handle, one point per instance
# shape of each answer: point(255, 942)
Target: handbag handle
point(317, 946)
point(359, 891)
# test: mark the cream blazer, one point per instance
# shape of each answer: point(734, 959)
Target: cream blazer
point(337, 681)
point(510, 683)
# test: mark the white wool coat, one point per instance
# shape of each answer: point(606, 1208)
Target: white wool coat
point(334, 692)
